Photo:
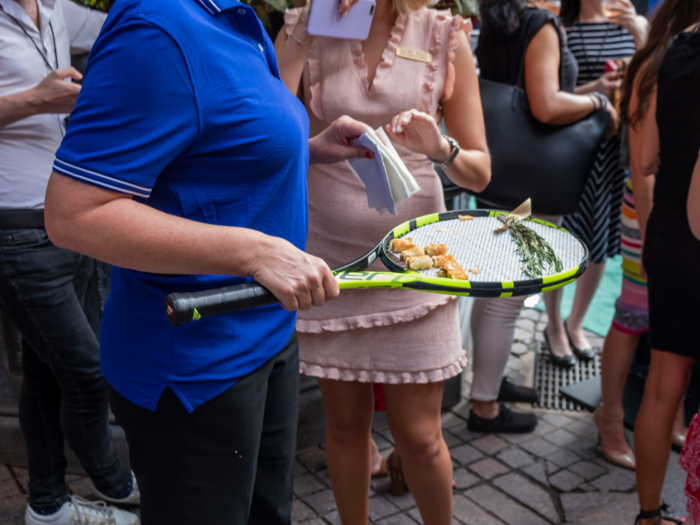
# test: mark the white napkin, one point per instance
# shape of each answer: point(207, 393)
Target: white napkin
point(385, 177)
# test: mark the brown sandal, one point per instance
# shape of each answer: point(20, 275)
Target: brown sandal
point(383, 471)
point(398, 482)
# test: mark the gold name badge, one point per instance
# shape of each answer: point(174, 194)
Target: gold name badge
point(414, 54)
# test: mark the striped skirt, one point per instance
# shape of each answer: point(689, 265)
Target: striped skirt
point(632, 307)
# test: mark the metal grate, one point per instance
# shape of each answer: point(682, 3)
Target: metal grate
point(550, 378)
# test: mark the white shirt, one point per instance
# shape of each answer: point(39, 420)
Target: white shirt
point(27, 147)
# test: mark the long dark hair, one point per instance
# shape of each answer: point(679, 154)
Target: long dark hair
point(671, 18)
point(502, 15)
point(569, 11)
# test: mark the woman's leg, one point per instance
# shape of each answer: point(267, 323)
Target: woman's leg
point(586, 287)
point(555, 325)
point(665, 387)
point(349, 407)
point(493, 326)
point(413, 411)
point(618, 353)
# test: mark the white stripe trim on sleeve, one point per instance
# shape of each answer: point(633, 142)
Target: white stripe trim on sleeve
point(112, 179)
point(69, 173)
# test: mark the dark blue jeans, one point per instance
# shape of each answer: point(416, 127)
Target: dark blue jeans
point(43, 291)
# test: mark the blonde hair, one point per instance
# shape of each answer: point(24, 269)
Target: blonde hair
point(405, 7)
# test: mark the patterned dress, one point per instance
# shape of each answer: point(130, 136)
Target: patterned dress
point(597, 219)
point(377, 336)
point(690, 461)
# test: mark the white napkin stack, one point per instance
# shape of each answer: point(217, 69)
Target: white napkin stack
point(385, 177)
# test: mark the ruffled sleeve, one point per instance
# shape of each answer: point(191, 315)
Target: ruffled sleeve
point(444, 34)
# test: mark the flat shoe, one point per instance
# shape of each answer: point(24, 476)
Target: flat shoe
point(515, 393)
point(566, 361)
point(506, 422)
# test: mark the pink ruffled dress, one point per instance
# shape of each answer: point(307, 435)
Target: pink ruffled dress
point(378, 336)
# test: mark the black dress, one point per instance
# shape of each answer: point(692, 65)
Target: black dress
point(500, 56)
point(671, 253)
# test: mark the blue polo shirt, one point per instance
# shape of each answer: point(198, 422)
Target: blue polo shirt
point(183, 108)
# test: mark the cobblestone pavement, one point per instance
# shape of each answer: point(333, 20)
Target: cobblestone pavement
point(554, 475)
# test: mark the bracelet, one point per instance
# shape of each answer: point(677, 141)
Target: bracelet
point(453, 154)
point(604, 101)
point(301, 43)
point(594, 99)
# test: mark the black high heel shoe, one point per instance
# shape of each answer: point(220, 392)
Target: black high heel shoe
point(647, 514)
point(584, 355)
point(566, 361)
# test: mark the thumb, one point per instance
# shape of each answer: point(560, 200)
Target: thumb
point(68, 72)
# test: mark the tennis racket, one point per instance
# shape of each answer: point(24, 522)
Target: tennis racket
point(495, 270)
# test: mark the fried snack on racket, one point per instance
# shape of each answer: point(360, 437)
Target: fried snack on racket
point(412, 252)
point(437, 248)
point(445, 261)
point(449, 267)
point(454, 273)
point(399, 245)
point(419, 263)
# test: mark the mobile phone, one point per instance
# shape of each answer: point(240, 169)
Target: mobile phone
point(325, 20)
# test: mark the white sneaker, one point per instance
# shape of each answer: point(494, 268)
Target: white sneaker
point(78, 511)
point(132, 499)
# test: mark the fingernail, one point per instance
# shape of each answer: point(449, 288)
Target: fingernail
point(369, 155)
point(405, 119)
point(345, 14)
point(393, 129)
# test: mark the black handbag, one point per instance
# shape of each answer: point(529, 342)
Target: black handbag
point(548, 163)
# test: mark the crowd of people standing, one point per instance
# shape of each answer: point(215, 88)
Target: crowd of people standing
point(209, 174)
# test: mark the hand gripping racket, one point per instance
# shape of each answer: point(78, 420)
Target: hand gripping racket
point(494, 268)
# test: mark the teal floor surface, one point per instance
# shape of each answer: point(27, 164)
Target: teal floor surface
point(600, 313)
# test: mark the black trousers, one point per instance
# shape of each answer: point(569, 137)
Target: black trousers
point(44, 291)
point(230, 462)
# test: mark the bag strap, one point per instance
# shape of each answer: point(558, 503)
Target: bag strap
point(551, 18)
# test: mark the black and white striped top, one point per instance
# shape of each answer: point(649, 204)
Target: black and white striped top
point(593, 43)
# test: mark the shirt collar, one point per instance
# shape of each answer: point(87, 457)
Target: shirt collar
point(214, 7)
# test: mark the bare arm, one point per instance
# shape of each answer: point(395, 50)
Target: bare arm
point(548, 103)
point(291, 55)
point(116, 229)
point(51, 95)
point(642, 139)
point(694, 201)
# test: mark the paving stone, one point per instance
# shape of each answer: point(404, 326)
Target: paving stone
point(462, 409)
point(469, 513)
point(530, 313)
point(583, 427)
point(565, 481)
point(488, 468)
point(450, 439)
point(323, 477)
point(514, 364)
point(307, 484)
point(551, 468)
point(465, 454)
point(450, 420)
point(22, 475)
point(301, 511)
point(539, 447)
point(299, 469)
point(386, 434)
point(557, 420)
point(561, 437)
point(489, 444)
point(516, 439)
point(322, 502)
point(587, 470)
point(12, 510)
point(587, 487)
point(563, 458)
point(586, 448)
point(82, 487)
point(333, 518)
point(397, 519)
point(543, 427)
point(504, 508)
point(465, 434)
point(526, 492)
point(519, 349)
point(313, 521)
point(464, 479)
point(380, 485)
point(8, 485)
point(381, 441)
point(313, 458)
point(617, 481)
point(674, 486)
point(522, 335)
point(379, 507)
point(515, 458)
point(526, 324)
point(415, 514)
point(403, 502)
point(599, 507)
point(538, 334)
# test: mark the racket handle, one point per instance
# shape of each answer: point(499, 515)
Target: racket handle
point(181, 308)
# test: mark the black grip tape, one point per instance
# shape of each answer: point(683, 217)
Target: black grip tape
point(181, 308)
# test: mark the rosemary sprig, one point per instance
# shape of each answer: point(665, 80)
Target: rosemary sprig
point(534, 251)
